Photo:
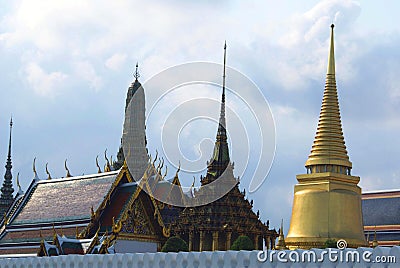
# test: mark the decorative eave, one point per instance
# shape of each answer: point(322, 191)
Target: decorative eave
point(144, 184)
point(96, 214)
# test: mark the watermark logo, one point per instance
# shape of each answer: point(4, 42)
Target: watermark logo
point(341, 244)
point(342, 255)
point(183, 108)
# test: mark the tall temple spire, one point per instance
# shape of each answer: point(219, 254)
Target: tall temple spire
point(134, 125)
point(220, 158)
point(329, 152)
point(327, 200)
point(133, 88)
point(7, 189)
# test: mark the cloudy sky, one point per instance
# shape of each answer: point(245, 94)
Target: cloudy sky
point(65, 67)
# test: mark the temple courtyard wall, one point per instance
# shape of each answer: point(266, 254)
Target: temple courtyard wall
point(376, 257)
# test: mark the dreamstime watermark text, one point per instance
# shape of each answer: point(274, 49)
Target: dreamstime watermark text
point(330, 254)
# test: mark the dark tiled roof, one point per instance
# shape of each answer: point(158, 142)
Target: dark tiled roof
point(64, 199)
point(381, 211)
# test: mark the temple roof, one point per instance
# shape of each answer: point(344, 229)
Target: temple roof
point(329, 147)
point(66, 199)
point(381, 208)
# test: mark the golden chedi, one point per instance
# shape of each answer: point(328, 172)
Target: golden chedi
point(327, 200)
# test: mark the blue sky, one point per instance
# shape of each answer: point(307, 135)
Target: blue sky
point(65, 67)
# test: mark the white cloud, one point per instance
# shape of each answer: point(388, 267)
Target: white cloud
point(116, 61)
point(86, 71)
point(43, 83)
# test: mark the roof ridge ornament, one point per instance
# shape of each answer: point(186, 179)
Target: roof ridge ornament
point(20, 192)
point(66, 169)
point(179, 168)
point(97, 164)
point(35, 176)
point(107, 167)
point(47, 172)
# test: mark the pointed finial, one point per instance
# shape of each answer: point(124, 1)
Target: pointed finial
point(76, 232)
point(20, 192)
point(179, 169)
point(92, 213)
point(97, 164)
point(331, 59)
point(66, 168)
point(107, 168)
point(35, 176)
point(281, 245)
point(9, 143)
point(224, 75)
point(375, 241)
point(166, 171)
point(48, 173)
point(136, 74)
point(155, 158)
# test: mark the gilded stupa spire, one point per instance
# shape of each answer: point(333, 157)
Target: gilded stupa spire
point(281, 245)
point(328, 153)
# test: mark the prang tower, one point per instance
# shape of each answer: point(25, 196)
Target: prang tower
point(135, 124)
point(327, 200)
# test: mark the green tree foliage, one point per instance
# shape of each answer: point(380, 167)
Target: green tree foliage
point(175, 244)
point(330, 243)
point(243, 242)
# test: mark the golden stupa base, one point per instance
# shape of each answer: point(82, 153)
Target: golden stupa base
point(326, 206)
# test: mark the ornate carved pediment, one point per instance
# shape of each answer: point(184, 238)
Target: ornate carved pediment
point(138, 221)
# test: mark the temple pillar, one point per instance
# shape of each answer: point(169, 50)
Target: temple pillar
point(190, 241)
point(256, 244)
point(201, 240)
point(215, 241)
point(228, 240)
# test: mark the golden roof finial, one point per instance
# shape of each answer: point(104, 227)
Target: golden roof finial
point(66, 168)
point(35, 176)
point(54, 231)
point(107, 168)
point(179, 169)
point(97, 164)
point(92, 213)
point(155, 158)
point(375, 241)
point(331, 58)
point(329, 147)
point(76, 232)
point(48, 173)
point(20, 192)
point(165, 173)
point(281, 245)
